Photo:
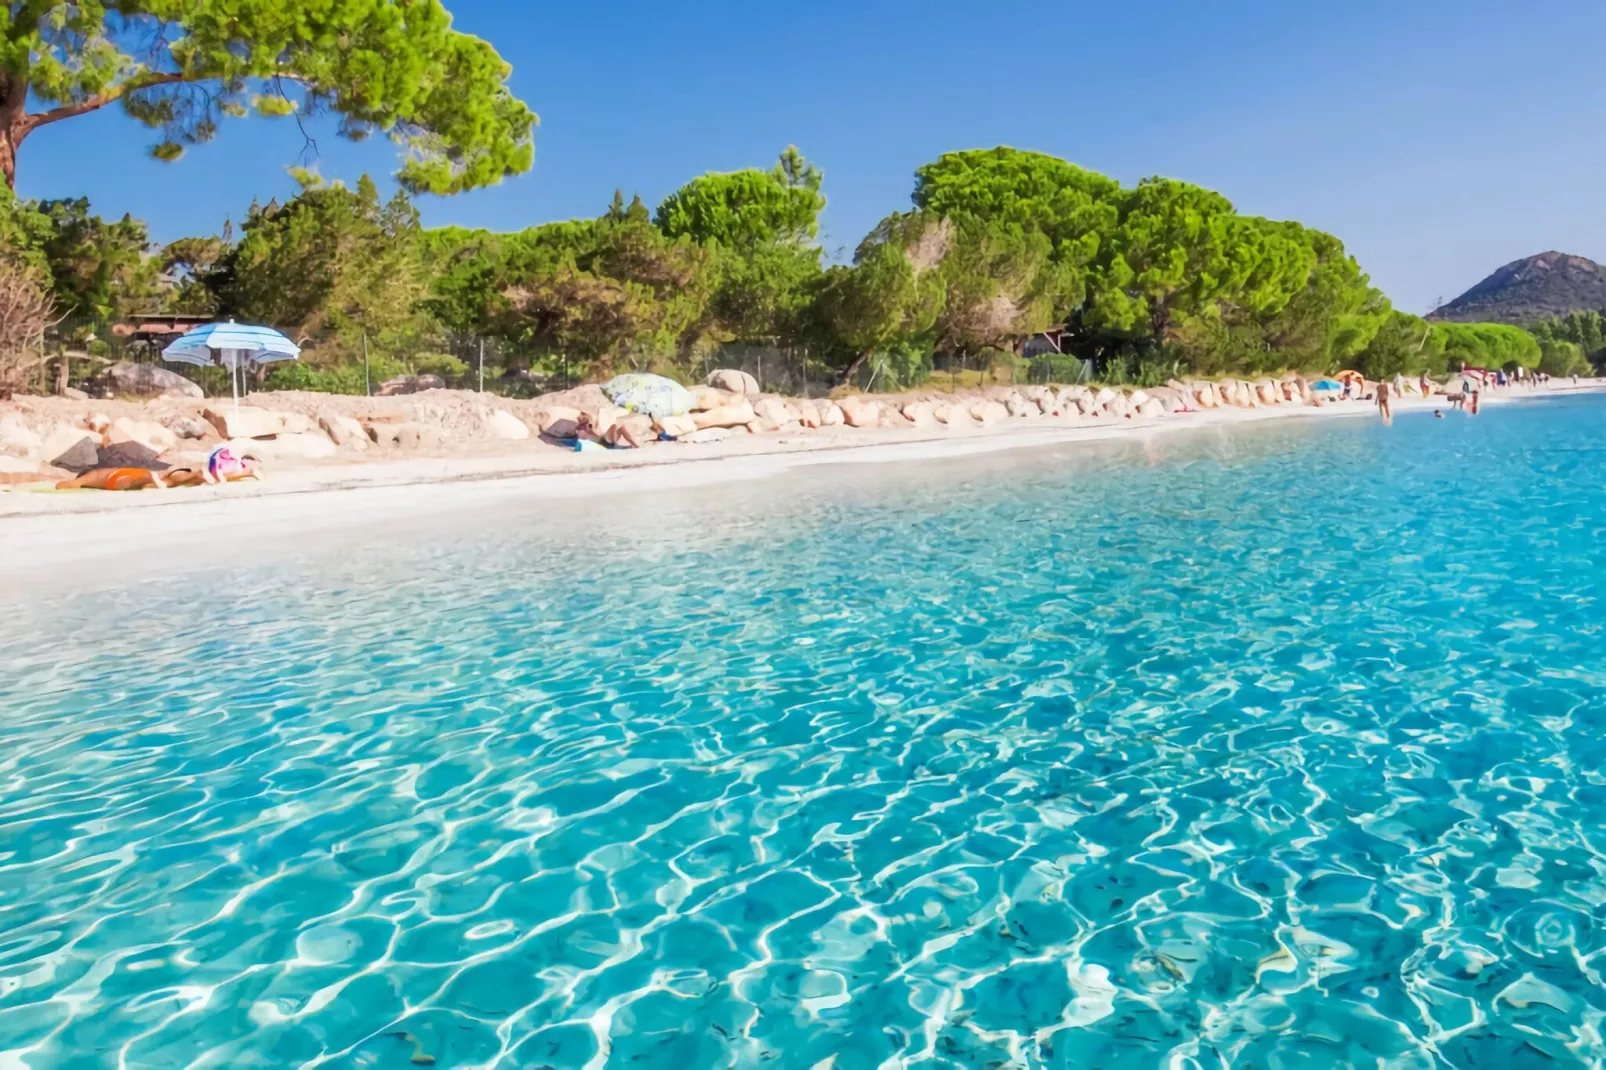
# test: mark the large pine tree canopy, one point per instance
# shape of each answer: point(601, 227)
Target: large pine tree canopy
point(181, 66)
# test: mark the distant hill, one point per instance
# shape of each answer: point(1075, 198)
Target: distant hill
point(1532, 289)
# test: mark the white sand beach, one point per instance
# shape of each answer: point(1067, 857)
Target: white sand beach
point(44, 532)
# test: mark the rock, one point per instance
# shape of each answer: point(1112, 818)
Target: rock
point(1204, 394)
point(410, 384)
point(677, 427)
point(186, 426)
point(1119, 407)
point(1022, 409)
point(17, 439)
point(300, 445)
point(734, 414)
point(148, 380)
point(603, 417)
point(504, 424)
point(922, 414)
point(343, 430)
point(98, 422)
point(704, 398)
point(808, 413)
point(402, 435)
point(544, 418)
point(989, 413)
point(1268, 393)
point(737, 382)
point(953, 414)
point(893, 417)
point(830, 413)
point(145, 434)
point(1150, 407)
point(249, 421)
point(708, 434)
point(758, 427)
point(1104, 396)
point(630, 432)
point(563, 430)
point(860, 412)
point(75, 394)
point(71, 448)
point(776, 411)
point(1138, 397)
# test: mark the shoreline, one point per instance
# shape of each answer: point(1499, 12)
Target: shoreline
point(46, 532)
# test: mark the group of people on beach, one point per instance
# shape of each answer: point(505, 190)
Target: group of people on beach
point(1473, 382)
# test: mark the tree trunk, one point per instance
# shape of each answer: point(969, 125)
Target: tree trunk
point(8, 159)
point(852, 369)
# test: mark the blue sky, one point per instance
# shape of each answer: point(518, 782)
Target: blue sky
point(1439, 140)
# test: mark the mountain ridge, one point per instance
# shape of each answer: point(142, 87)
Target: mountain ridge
point(1538, 287)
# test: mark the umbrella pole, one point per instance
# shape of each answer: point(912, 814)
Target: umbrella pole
point(233, 387)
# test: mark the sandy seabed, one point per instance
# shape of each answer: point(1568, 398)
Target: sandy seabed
point(48, 534)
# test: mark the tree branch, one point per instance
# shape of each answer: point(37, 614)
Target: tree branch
point(100, 100)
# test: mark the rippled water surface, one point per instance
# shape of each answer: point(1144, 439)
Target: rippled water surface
point(1284, 747)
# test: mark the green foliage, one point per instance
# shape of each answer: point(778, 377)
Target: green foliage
point(195, 269)
point(181, 66)
point(346, 376)
point(1487, 345)
point(1403, 345)
point(1586, 330)
point(758, 228)
point(98, 269)
point(887, 299)
point(1164, 273)
point(328, 267)
point(1070, 206)
point(1563, 359)
point(748, 209)
point(614, 291)
point(24, 229)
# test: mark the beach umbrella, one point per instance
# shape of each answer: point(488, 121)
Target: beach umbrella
point(653, 395)
point(1326, 384)
point(231, 345)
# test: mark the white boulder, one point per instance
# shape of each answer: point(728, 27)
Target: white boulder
point(734, 381)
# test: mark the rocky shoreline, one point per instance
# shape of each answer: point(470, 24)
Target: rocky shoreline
point(49, 438)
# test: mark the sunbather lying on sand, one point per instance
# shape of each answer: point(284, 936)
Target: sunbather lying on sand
point(113, 479)
point(221, 467)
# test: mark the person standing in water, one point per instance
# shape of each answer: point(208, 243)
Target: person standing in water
point(1383, 406)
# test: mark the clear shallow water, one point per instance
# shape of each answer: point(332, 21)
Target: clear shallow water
point(1277, 748)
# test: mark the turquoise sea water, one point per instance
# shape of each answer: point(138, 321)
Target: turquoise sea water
point(1279, 747)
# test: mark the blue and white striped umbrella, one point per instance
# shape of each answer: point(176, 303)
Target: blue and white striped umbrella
point(229, 344)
